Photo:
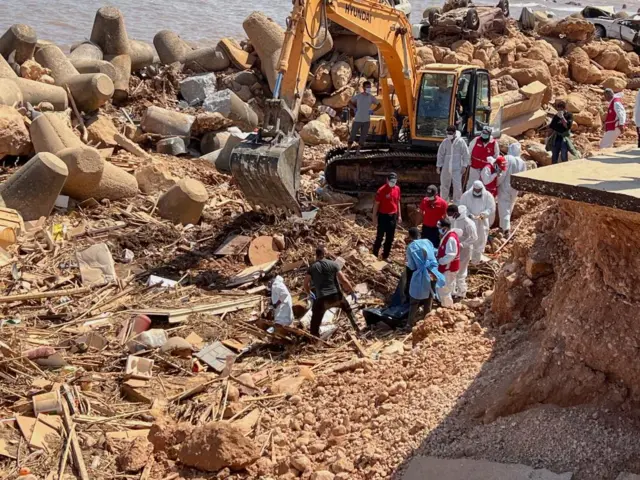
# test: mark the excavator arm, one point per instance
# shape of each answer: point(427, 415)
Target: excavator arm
point(267, 165)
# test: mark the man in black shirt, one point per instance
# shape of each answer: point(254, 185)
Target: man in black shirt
point(326, 277)
point(561, 126)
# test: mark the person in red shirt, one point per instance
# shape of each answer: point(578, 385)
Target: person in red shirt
point(433, 208)
point(386, 215)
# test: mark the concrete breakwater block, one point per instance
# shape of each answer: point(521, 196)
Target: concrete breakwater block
point(212, 141)
point(50, 133)
point(356, 47)
point(90, 90)
point(86, 65)
point(170, 47)
point(21, 39)
point(34, 188)
point(86, 51)
point(267, 37)
point(122, 64)
point(10, 93)
point(208, 59)
point(166, 122)
point(184, 202)
point(38, 92)
point(171, 146)
point(196, 89)
point(142, 54)
point(5, 69)
point(109, 31)
point(231, 106)
point(91, 176)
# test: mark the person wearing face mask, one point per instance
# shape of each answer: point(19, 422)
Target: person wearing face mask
point(363, 104)
point(453, 160)
point(560, 125)
point(422, 271)
point(457, 215)
point(481, 148)
point(282, 302)
point(433, 208)
point(615, 120)
point(491, 173)
point(386, 215)
point(481, 208)
point(507, 195)
point(448, 261)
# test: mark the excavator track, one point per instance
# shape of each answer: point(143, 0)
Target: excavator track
point(364, 172)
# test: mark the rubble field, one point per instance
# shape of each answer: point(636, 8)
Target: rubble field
point(134, 310)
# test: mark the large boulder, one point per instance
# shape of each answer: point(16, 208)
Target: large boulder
point(339, 99)
point(367, 66)
point(616, 84)
point(609, 58)
point(316, 132)
point(506, 84)
point(581, 68)
point(628, 63)
point(321, 81)
point(218, 445)
point(543, 51)
point(584, 118)
point(464, 50)
point(527, 71)
point(425, 56)
point(340, 74)
point(595, 48)
point(14, 135)
point(538, 152)
point(576, 102)
point(573, 29)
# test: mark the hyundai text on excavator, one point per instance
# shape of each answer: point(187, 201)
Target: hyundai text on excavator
point(417, 108)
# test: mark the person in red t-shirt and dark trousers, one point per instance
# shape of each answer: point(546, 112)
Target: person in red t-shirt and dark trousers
point(386, 215)
point(433, 208)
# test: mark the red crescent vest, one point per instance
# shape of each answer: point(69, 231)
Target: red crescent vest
point(492, 187)
point(454, 266)
point(610, 120)
point(480, 153)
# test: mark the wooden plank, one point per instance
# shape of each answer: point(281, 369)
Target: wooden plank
point(41, 295)
point(233, 245)
point(127, 434)
point(361, 351)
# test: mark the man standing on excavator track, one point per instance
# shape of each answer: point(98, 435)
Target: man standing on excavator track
point(363, 104)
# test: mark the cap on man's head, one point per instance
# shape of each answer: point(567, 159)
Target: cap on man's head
point(452, 209)
point(486, 129)
point(432, 190)
point(608, 91)
point(392, 176)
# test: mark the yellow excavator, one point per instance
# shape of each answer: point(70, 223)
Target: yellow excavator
point(417, 106)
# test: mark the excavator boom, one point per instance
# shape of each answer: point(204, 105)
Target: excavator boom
point(267, 165)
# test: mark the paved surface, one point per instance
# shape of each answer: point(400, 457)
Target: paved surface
point(431, 468)
point(611, 180)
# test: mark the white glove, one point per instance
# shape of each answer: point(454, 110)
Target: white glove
point(491, 160)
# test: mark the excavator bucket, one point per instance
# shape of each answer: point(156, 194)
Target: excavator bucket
point(268, 173)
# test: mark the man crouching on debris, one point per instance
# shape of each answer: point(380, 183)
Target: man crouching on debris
point(423, 269)
point(326, 277)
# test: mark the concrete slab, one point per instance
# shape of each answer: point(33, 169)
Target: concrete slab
point(610, 180)
point(431, 468)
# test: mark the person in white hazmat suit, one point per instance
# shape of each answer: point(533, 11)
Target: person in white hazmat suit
point(457, 215)
point(507, 195)
point(481, 208)
point(282, 302)
point(453, 160)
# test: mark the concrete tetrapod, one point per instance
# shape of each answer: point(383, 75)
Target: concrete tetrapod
point(170, 47)
point(91, 176)
point(209, 59)
point(109, 31)
point(231, 106)
point(19, 38)
point(5, 69)
point(184, 202)
point(122, 64)
point(142, 54)
point(166, 122)
point(86, 65)
point(50, 133)
point(90, 90)
point(171, 146)
point(10, 93)
point(38, 92)
point(267, 38)
point(34, 188)
point(86, 51)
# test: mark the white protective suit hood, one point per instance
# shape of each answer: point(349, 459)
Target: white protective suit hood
point(515, 149)
point(462, 210)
